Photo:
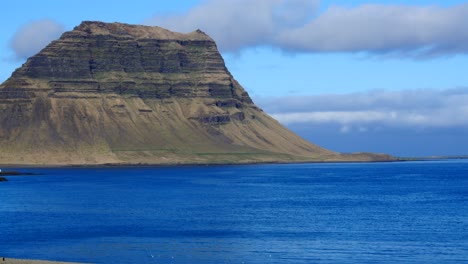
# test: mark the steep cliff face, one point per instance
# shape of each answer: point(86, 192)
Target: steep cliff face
point(119, 93)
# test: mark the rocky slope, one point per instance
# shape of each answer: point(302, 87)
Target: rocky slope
point(118, 93)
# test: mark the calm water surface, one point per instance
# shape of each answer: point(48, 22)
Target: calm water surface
point(303, 213)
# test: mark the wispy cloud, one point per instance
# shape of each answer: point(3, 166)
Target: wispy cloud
point(32, 37)
point(410, 108)
point(296, 26)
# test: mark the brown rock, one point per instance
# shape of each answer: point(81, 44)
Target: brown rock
point(117, 93)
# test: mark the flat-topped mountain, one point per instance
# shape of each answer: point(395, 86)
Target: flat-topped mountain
point(118, 93)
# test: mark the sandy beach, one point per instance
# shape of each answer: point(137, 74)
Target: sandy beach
point(29, 261)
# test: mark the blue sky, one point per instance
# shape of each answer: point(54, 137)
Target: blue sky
point(381, 76)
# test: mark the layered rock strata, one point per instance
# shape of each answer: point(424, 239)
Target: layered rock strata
point(113, 93)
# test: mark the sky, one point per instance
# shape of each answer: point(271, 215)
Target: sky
point(378, 76)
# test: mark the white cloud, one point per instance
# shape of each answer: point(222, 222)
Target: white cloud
point(34, 36)
point(295, 26)
point(362, 129)
point(345, 129)
point(414, 30)
point(411, 108)
point(342, 117)
point(237, 24)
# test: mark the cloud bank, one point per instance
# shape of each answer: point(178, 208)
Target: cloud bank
point(235, 25)
point(417, 109)
point(34, 36)
point(298, 26)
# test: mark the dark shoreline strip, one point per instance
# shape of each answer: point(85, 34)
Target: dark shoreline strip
point(17, 173)
point(30, 261)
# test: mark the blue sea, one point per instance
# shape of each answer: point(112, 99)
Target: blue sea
point(402, 212)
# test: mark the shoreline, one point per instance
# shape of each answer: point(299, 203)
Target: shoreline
point(171, 165)
point(4, 260)
point(157, 165)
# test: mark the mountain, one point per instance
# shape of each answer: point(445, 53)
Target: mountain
point(113, 93)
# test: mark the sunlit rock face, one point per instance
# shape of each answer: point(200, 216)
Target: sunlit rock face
point(128, 94)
